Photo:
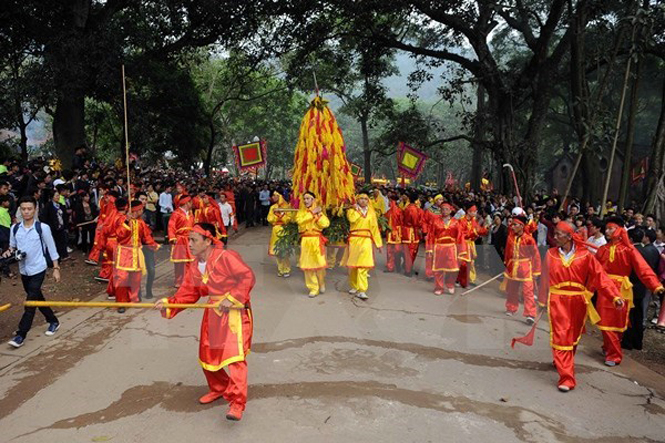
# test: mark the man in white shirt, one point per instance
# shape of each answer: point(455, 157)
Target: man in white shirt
point(228, 217)
point(166, 208)
point(596, 236)
point(264, 198)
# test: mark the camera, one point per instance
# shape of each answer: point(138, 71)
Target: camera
point(17, 256)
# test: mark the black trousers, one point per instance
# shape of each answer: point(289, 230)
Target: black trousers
point(33, 288)
point(61, 238)
point(634, 335)
point(149, 255)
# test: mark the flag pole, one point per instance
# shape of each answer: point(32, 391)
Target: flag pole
point(124, 97)
point(77, 304)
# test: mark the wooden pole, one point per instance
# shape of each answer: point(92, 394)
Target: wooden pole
point(5, 307)
point(95, 304)
point(124, 97)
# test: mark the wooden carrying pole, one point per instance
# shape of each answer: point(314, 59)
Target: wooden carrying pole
point(95, 304)
point(124, 98)
point(5, 307)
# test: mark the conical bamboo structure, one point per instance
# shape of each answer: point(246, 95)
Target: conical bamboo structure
point(320, 163)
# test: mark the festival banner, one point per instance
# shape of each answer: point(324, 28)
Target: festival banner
point(250, 156)
point(410, 161)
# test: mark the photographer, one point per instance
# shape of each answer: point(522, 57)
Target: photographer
point(34, 240)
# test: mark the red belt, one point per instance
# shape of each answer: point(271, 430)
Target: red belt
point(352, 233)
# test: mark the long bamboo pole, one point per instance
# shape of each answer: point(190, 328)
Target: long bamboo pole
point(5, 307)
point(95, 304)
point(124, 98)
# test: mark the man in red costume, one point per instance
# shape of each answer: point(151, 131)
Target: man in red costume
point(411, 222)
point(619, 259)
point(522, 267)
point(180, 224)
point(226, 331)
point(109, 241)
point(132, 233)
point(198, 203)
point(472, 231)
point(570, 276)
point(445, 240)
point(431, 213)
point(210, 213)
point(394, 235)
point(107, 211)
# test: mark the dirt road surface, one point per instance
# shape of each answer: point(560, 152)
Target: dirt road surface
point(404, 366)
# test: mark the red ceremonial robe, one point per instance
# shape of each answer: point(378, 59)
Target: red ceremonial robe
point(619, 260)
point(129, 262)
point(411, 220)
point(522, 266)
point(566, 287)
point(225, 336)
point(393, 236)
point(472, 231)
point(448, 248)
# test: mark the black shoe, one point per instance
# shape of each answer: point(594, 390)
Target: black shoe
point(121, 310)
point(148, 297)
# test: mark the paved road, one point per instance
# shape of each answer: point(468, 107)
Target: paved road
point(405, 366)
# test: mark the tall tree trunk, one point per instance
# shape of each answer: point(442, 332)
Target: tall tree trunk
point(478, 136)
point(211, 147)
point(24, 139)
point(630, 137)
point(367, 154)
point(69, 126)
point(657, 166)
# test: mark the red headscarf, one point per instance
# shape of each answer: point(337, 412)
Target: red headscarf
point(567, 228)
point(205, 233)
point(620, 234)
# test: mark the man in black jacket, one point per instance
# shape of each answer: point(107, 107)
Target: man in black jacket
point(632, 338)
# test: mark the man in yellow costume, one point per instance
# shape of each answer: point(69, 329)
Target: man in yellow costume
point(378, 203)
point(278, 219)
point(311, 222)
point(359, 256)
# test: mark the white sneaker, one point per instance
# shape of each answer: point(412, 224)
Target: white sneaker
point(110, 297)
point(451, 291)
point(287, 275)
point(69, 250)
point(353, 291)
point(564, 388)
point(313, 294)
point(362, 296)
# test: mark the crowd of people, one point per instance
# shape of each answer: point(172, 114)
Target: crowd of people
point(619, 257)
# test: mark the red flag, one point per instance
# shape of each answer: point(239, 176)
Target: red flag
point(528, 338)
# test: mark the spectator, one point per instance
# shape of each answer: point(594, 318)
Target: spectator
point(150, 213)
point(85, 211)
point(596, 236)
point(5, 224)
point(55, 216)
point(166, 209)
point(633, 336)
point(35, 240)
point(264, 199)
